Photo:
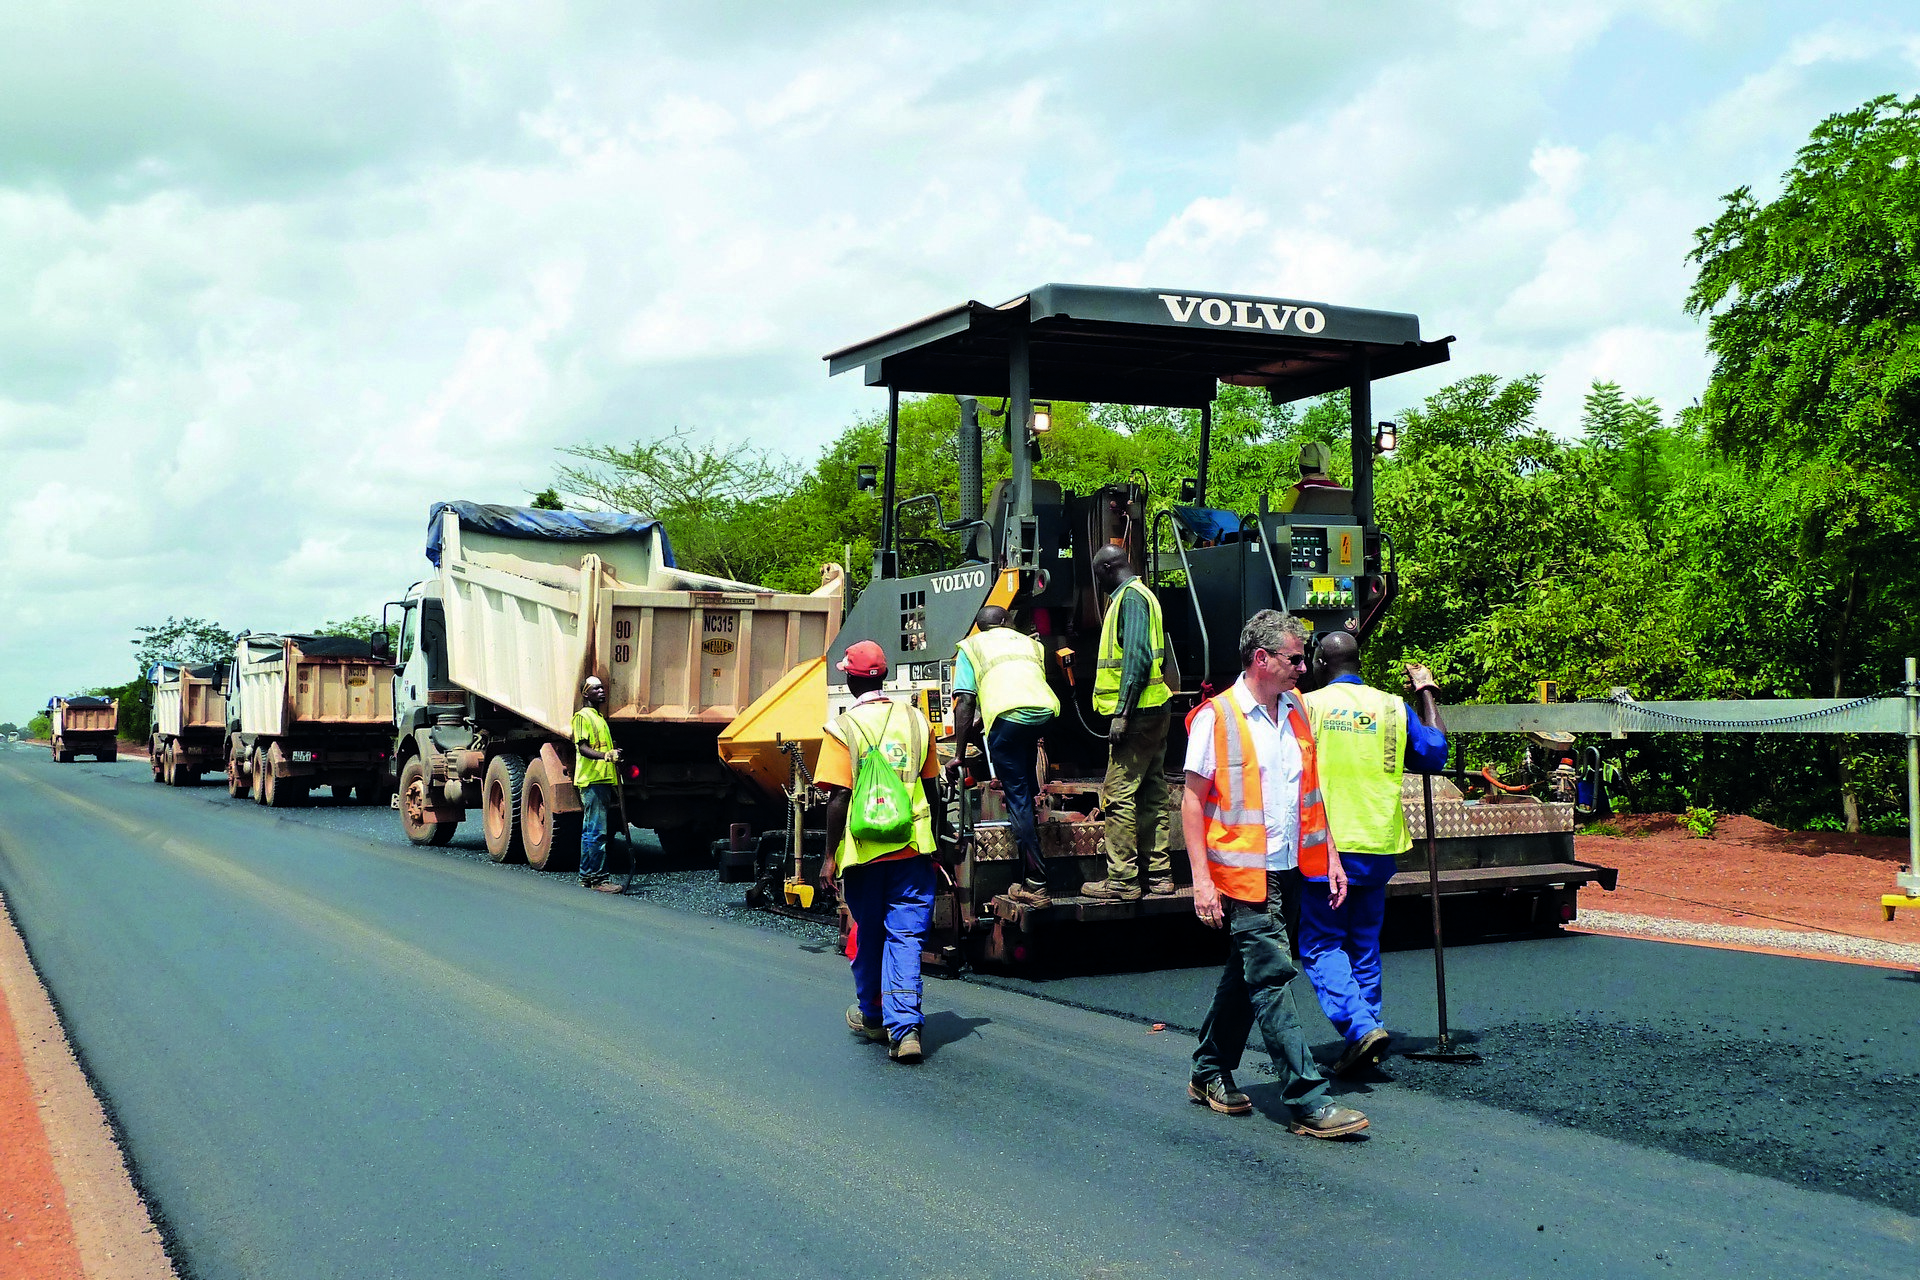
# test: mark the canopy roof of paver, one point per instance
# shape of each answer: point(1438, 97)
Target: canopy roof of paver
point(1143, 346)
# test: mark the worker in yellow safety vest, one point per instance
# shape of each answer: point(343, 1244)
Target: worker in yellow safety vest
point(593, 776)
point(1131, 689)
point(1367, 740)
point(1003, 673)
point(887, 884)
point(1256, 825)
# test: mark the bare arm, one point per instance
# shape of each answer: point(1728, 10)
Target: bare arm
point(837, 801)
point(1193, 823)
point(963, 708)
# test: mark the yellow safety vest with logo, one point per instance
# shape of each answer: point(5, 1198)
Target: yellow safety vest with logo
point(1009, 672)
point(1112, 658)
point(901, 733)
point(590, 727)
point(1362, 735)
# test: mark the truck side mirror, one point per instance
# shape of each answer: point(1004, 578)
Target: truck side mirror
point(381, 646)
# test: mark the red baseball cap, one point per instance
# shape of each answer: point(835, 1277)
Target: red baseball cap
point(864, 658)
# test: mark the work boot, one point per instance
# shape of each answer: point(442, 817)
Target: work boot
point(1369, 1048)
point(1160, 887)
point(605, 884)
point(866, 1028)
point(1329, 1120)
point(1111, 890)
point(1027, 896)
point(907, 1048)
point(1218, 1092)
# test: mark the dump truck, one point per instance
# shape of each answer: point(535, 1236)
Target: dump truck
point(189, 721)
point(1313, 551)
point(84, 726)
point(494, 649)
point(308, 711)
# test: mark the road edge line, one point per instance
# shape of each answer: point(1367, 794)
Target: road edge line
point(112, 1227)
point(1716, 944)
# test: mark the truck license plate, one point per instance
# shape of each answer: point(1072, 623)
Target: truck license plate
point(303, 757)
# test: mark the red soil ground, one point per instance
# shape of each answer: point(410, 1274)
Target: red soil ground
point(1752, 874)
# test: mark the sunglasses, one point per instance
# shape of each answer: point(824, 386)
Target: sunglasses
point(1297, 659)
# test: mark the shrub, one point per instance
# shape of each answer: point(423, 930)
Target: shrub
point(1700, 822)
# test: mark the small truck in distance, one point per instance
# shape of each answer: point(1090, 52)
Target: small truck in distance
point(84, 726)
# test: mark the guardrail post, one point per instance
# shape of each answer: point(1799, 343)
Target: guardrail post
point(1910, 879)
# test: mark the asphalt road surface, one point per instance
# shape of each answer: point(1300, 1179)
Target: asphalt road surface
point(330, 1054)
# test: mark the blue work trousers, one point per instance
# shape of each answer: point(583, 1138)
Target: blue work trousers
point(597, 797)
point(1257, 987)
point(1014, 751)
point(892, 904)
point(1340, 950)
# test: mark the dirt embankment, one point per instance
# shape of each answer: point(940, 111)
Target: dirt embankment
point(1751, 873)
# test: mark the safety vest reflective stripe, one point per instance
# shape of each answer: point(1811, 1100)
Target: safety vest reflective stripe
point(1111, 658)
point(901, 732)
point(1235, 808)
point(1362, 733)
point(1009, 672)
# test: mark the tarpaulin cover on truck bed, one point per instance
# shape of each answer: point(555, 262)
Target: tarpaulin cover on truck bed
point(82, 701)
point(333, 646)
point(205, 671)
point(531, 522)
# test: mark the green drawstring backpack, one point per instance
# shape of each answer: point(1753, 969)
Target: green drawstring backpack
point(881, 811)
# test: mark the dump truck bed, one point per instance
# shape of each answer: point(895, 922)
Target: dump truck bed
point(529, 618)
point(188, 699)
point(288, 684)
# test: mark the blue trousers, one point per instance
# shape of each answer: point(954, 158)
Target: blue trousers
point(1014, 750)
point(892, 903)
point(1340, 950)
point(597, 799)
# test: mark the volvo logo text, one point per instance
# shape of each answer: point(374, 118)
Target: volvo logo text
point(959, 581)
point(1238, 314)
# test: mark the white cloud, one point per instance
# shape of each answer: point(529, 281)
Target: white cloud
point(269, 289)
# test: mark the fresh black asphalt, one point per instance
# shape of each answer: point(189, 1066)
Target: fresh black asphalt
point(330, 1054)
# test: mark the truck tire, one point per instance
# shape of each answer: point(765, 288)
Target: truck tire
point(551, 841)
point(500, 793)
point(153, 759)
point(108, 756)
point(413, 803)
point(236, 778)
point(259, 772)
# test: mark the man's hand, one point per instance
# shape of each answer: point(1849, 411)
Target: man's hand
point(612, 757)
point(1116, 728)
point(827, 880)
point(1207, 905)
point(1418, 677)
point(1336, 882)
point(955, 770)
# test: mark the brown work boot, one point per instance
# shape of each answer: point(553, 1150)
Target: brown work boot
point(866, 1028)
point(1370, 1047)
point(1160, 887)
point(907, 1049)
point(1111, 890)
point(1218, 1092)
point(1027, 897)
point(1329, 1120)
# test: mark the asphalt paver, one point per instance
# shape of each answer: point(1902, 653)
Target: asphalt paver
point(328, 1053)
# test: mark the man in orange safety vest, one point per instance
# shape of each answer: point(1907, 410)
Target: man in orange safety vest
point(1255, 827)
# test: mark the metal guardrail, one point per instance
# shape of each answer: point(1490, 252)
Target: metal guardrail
point(1623, 716)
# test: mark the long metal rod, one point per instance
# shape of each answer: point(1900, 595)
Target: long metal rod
point(885, 565)
point(1020, 528)
point(1362, 424)
point(1206, 646)
point(1911, 882)
point(1433, 889)
point(1267, 552)
point(1206, 454)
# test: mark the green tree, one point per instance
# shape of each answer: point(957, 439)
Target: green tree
point(39, 726)
point(1813, 301)
point(186, 640)
point(358, 627)
point(547, 499)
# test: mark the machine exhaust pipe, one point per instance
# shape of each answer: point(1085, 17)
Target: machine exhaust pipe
point(972, 495)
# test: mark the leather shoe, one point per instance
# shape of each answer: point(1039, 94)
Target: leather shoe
point(864, 1027)
point(1161, 888)
point(1369, 1048)
point(1027, 897)
point(1111, 890)
point(1218, 1092)
point(906, 1048)
point(1329, 1120)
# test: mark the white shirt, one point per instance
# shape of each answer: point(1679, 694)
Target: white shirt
point(1279, 757)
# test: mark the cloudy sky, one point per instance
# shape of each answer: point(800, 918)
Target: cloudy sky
point(274, 278)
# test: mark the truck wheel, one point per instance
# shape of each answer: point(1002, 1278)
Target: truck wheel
point(108, 756)
point(500, 794)
point(236, 778)
point(153, 759)
point(413, 807)
point(551, 840)
point(258, 771)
